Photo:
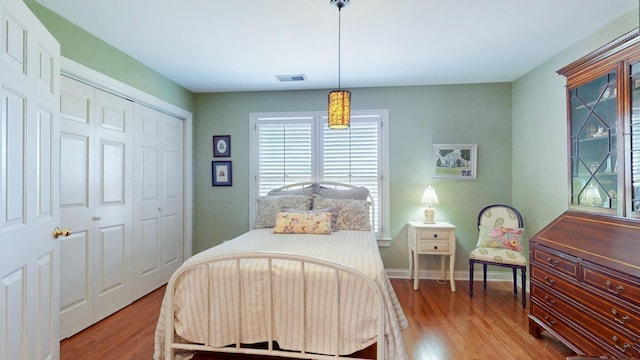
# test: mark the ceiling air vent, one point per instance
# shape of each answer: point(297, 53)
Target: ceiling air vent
point(283, 78)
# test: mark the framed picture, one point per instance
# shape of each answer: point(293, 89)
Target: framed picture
point(221, 173)
point(221, 145)
point(455, 161)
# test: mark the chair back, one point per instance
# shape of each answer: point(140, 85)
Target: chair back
point(500, 215)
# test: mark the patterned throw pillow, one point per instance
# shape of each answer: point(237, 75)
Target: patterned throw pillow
point(332, 211)
point(269, 206)
point(303, 223)
point(352, 214)
point(500, 237)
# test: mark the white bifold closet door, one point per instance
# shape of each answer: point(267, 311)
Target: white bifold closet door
point(96, 200)
point(158, 198)
point(122, 194)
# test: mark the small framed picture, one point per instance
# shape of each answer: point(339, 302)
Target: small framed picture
point(455, 161)
point(221, 145)
point(221, 173)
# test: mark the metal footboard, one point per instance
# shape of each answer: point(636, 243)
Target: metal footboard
point(302, 263)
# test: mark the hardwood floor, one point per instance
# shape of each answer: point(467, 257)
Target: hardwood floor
point(442, 325)
point(491, 325)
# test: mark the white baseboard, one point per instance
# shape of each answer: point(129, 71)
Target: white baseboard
point(458, 275)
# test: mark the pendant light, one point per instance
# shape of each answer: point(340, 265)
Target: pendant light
point(339, 100)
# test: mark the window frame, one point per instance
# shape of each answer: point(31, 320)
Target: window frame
point(382, 209)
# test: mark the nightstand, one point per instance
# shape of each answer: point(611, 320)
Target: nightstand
point(431, 239)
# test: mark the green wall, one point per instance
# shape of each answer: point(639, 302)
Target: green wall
point(86, 49)
point(521, 152)
point(540, 180)
point(418, 117)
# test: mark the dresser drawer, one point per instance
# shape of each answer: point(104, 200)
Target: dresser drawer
point(427, 234)
point(617, 342)
point(557, 325)
point(611, 282)
point(615, 314)
point(554, 260)
point(547, 277)
point(433, 246)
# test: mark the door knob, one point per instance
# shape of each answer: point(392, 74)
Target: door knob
point(64, 232)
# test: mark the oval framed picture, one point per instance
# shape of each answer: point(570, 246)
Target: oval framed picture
point(221, 145)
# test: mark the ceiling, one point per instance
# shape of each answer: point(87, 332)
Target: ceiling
point(241, 45)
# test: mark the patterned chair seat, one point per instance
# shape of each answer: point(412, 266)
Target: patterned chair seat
point(498, 255)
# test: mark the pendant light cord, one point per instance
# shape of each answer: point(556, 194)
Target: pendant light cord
point(339, 31)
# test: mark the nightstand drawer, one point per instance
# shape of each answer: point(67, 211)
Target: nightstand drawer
point(427, 234)
point(433, 246)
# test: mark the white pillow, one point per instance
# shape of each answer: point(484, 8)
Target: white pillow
point(270, 206)
point(359, 193)
point(352, 214)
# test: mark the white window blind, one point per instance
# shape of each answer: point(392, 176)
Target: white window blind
point(352, 156)
point(285, 151)
point(290, 148)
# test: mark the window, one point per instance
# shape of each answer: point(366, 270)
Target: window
point(294, 147)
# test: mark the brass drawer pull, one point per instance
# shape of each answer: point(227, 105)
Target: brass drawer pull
point(550, 321)
point(619, 289)
point(624, 319)
point(549, 281)
point(624, 347)
point(553, 263)
point(549, 301)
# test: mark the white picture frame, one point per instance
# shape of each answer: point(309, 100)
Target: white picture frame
point(455, 161)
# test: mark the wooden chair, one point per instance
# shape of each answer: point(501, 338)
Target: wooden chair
point(499, 244)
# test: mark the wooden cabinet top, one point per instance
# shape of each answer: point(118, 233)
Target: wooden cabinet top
point(604, 56)
point(611, 241)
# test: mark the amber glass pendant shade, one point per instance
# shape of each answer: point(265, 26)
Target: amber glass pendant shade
point(339, 109)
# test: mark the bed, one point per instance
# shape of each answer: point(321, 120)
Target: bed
point(316, 293)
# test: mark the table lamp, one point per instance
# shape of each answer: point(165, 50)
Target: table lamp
point(591, 196)
point(430, 198)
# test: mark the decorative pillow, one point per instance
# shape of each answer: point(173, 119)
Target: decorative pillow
point(500, 237)
point(359, 193)
point(332, 211)
point(308, 191)
point(352, 214)
point(303, 223)
point(269, 206)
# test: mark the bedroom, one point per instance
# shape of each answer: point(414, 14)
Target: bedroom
point(504, 119)
point(503, 124)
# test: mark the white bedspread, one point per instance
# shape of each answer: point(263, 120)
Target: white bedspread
point(357, 249)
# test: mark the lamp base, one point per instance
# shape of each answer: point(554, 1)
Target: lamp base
point(429, 214)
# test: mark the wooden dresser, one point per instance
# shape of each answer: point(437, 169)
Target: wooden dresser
point(585, 283)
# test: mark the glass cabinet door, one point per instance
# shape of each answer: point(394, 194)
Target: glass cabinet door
point(593, 131)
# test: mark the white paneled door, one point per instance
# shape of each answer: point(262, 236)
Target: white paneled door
point(113, 241)
point(76, 292)
point(96, 144)
point(29, 169)
point(158, 198)
point(172, 196)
